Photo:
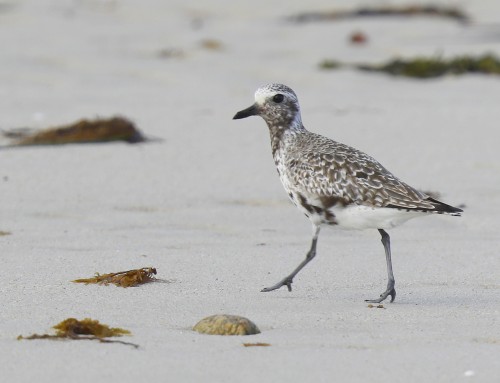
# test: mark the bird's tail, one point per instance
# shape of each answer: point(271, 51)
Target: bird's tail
point(442, 208)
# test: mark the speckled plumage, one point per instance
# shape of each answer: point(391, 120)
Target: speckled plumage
point(321, 174)
point(332, 183)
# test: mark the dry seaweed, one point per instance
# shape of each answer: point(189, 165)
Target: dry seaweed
point(256, 344)
point(370, 306)
point(83, 131)
point(86, 329)
point(123, 278)
point(384, 11)
point(212, 45)
point(424, 67)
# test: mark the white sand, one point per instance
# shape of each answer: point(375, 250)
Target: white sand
point(205, 206)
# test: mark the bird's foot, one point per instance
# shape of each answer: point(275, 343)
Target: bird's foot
point(285, 282)
point(391, 291)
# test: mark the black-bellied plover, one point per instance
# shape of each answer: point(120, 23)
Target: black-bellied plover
point(335, 184)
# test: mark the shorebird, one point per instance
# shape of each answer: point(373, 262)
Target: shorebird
point(334, 184)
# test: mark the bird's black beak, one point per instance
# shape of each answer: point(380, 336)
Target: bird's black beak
point(252, 111)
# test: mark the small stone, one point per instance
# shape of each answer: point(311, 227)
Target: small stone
point(226, 325)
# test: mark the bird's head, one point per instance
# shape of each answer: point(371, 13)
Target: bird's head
point(277, 104)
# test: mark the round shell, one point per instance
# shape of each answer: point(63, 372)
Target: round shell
point(226, 325)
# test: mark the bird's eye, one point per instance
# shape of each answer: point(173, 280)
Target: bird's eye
point(278, 98)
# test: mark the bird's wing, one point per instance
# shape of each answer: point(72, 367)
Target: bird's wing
point(349, 176)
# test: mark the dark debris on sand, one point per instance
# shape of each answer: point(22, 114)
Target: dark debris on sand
point(82, 131)
point(383, 11)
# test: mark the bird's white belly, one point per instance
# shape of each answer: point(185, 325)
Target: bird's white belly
point(364, 217)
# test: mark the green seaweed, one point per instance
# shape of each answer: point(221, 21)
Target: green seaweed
point(424, 67)
point(435, 67)
point(331, 64)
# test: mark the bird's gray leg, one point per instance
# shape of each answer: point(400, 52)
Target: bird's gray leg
point(310, 255)
point(386, 241)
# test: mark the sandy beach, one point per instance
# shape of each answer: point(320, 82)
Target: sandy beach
point(204, 206)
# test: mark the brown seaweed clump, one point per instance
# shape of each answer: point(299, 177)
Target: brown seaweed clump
point(226, 325)
point(123, 278)
point(86, 329)
point(83, 131)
